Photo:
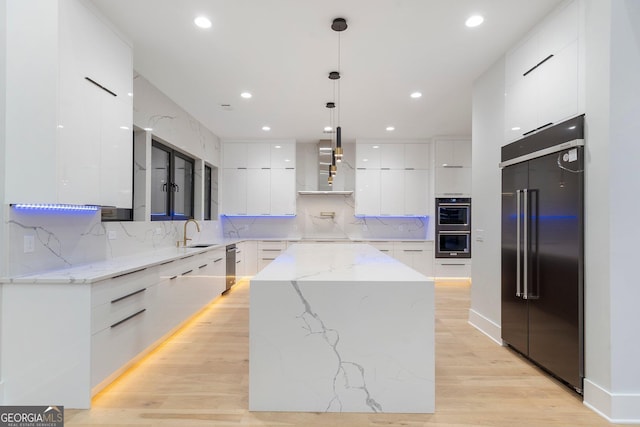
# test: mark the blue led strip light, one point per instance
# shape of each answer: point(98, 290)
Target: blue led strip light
point(54, 207)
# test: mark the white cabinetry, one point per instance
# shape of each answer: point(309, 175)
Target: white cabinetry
point(79, 113)
point(269, 250)
point(453, 268)
point(392, 179)
point(542, 75)
point(453, 168)
point(248, 252)
point(417, 255)
point(234, 195)
point(368, 192)
point(259, 191)
point(259, 178)
point(121, 320)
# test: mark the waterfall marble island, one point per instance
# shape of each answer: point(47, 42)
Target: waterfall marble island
point(341, 328)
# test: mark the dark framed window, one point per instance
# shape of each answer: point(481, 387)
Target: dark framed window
point(171, 184)
point(207, 192)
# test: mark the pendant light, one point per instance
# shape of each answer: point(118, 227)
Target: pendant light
point(338, 25)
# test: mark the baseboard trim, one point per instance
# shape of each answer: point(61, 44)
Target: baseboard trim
point(486, 326)
point(616, 408)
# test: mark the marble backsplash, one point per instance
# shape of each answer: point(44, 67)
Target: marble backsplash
point(328, 217)
point(65, 239)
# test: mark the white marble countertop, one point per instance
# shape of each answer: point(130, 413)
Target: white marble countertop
point(353, 262)
point(101, 270)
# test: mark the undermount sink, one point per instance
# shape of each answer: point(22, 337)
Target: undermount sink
point(200, 245)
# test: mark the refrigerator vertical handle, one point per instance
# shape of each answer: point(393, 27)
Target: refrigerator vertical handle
point(525, 242)
point(518, 219)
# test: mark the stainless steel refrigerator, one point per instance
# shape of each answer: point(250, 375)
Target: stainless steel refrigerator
point(542, 249)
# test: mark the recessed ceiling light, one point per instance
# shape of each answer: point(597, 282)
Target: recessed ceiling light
point(328, 128)
point(267, 128)
point(277, 146)
point(515, 128)
point(390, 128)
point(474, 21)
point(124, 127)
point(148, 129)
point(376, 146)
point(246, 95)
point(416, 94)
point(202, 22)
point(130, 93)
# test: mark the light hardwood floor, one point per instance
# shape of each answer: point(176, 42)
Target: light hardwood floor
point(199, 377)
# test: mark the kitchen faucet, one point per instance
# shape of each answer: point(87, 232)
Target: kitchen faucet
point(185, 229)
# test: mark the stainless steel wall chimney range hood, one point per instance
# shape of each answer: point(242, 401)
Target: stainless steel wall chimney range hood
point(324, 161)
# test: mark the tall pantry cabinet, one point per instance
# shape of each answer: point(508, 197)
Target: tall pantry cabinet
point(69, 108)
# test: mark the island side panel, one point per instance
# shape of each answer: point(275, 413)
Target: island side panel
point(46, 347)
point(342, 346)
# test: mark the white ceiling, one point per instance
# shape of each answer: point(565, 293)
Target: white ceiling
point(282, 51)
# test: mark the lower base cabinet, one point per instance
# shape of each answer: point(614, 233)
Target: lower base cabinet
point(268, 250)
point(134, 311)
point(453, 268)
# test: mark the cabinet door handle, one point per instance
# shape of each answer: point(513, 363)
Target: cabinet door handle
point(186, 272)
point(412, 250)
point(452, 166)
point(218, 260)
point(128, 295)
point(100, 86)
point(120, 322)
point(202, 266)
point(538, 64)
point(130, 272)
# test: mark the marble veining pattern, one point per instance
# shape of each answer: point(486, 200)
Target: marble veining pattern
point(47, 239)
point(312, 222)
point(314, 325)
point(341, 328)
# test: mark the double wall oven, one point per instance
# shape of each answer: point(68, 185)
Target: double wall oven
point(453, 228)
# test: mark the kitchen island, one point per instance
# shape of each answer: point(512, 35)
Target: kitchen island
point(341, 328)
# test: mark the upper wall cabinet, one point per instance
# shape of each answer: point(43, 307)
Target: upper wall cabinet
point(453, 168)
point(69, 106)
point(259, 178)
point(392, 179)
point(542, 75)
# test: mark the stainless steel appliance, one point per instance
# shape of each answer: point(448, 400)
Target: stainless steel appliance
point(230, 267)
point(453, 244)
point(542, 249)
point(453, 214)
point(453, 228)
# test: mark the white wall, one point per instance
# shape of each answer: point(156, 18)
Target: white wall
point(597, 203)
point(625, 172)
point(171, 124)
point(487, 135)
point(612, 232)
point(3, 91)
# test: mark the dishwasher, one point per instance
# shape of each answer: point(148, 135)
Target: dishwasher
point(230, 267)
